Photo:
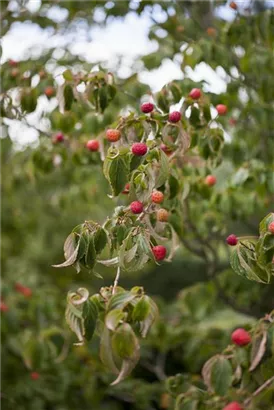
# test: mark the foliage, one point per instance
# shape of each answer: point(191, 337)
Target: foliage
point(57, 184)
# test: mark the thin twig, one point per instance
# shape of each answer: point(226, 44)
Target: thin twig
point(116, 280)
point(259, 390)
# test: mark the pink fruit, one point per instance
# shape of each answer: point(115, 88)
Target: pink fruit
point(3, 307)
point(234, 405)
point(240, 337)
point(136, 207)
point(113, 135)
point(159, 252)
point(195, 93)
point(175, 116)
point(271, 227)
point(232, 240)
point(35, 375)
point(126, 189)
point(139, 149)
point(147, 108)
point(92, 145)
point(210, 180)
point(221, 109)
point(157, 197)
point(24, 290)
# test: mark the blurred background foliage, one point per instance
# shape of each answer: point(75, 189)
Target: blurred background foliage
point(46, 191)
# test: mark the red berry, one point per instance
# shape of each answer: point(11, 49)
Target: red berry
point(27, 292)
point(210, 180)
point(3, 307)
point(211, 31)
point(92, 145)
point(174, 116)
point(232, 121)
point(162, 215)
point(271, 227)
point(166, 149)
point(233, 5)
point(232, 240)
point(35, 375)
point(234, 405)
point(147, 108)
point(113, 135)
point(49, 91)
point(221, 109)
point(240, 337)
point(157, 197)
point(13, 63)
point(126, 189)
point(58, 138)
point(159, 252)
point(139, 149)
point(195, 93)
point(136, 207)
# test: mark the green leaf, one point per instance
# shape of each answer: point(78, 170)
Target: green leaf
point(71, 260)
point(116, 172)
point(194, 116)
point(75, 321)
point(124, 341)
point(68, 97)
point(141, 309)
point(258, 349)
point(120, 300)
point(174, 186)
point(106, 354)
point(90, 254)
point(113, 319)
point(33, 353)
point(68, 76)
point(263, 227)
point(100, 239)
point(146, 324)
point(103, 98)
point(163, 173)
point(207, 113)
point(90, 315)
point(221, 376)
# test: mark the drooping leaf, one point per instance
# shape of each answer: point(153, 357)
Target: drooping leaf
point(141, 309)
point(163, 172)
point(100, 240)
point(113, 319)
point(120, 300)
point(90, 315)
point(258, 349)
point(221, 376)
point(106, 354)
point(124, 342)
point(71, 260)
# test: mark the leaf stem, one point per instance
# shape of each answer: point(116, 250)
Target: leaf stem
point(116, 280)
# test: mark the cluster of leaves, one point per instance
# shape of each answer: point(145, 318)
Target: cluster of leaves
point(118, 315)
point(230, 376)
point(253, 258)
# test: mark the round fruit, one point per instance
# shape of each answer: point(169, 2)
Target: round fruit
point(13, 63)
point(3, 307)
point(136, 207)
point(147, 108)
point(210, 180)
point(211, 31)
point(59, 137)
point(166, 149)
point(157, 197)
point(221, 109)
point(162, 215)
point(234, 405)
point(159, 252)
point(233, 5)
point(139, 149)
point(27, 292)
point(174, 116)
point(126, 189)
point(113, 135)
point(195, 93)
point(240, 337)
point(232, 240)
point(49, 91)
point(35, 375)
point(14, 72)
point(92, 145)
point(271, 227)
